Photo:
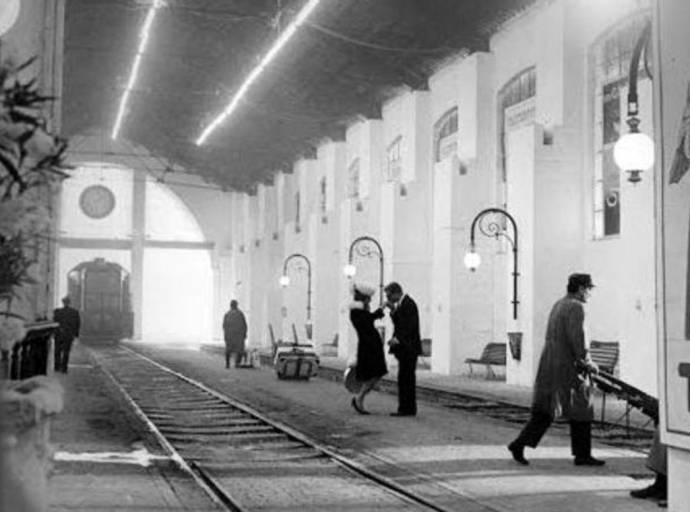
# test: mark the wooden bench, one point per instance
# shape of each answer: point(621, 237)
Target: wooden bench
point(330, 349)
point(605, 355)
point(493, 354)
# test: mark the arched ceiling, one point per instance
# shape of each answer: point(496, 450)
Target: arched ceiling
point(350, 57)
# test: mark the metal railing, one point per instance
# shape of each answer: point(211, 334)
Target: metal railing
point(32, 355)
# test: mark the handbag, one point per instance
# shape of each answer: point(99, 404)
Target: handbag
point(394, 346)
point(350, 379)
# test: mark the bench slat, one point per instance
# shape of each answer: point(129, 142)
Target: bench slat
point(605, 354)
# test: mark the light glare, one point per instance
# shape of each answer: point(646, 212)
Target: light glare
point(472, 260)
point(634, 152)
point(350, 270)
point(272, 52)
point(143, 39)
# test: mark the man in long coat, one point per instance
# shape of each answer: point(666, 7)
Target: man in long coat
point(406, 346)
point(69, 323)
point(235, 333)
point(562, 383)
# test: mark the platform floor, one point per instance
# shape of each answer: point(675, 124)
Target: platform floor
point(443, 450)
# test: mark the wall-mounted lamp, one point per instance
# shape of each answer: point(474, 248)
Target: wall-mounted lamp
point(634, 151)
point(285, 282)
point(492, 228)
point(350, 270)
point(366, 247)
point(472, 259)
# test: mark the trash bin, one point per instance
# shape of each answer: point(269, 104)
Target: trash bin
point(515, 344)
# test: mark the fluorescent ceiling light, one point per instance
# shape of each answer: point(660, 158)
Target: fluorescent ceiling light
point(277, 46)
point(143, 39)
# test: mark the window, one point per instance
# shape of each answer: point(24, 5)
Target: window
point(393, 169)
point(521, 87)
point(353, 179)
point(323, 189)
point(297, 213)
point(611, 60)
point(445, 135)
point(323, 198)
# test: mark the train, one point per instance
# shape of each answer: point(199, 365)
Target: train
point(100, 290)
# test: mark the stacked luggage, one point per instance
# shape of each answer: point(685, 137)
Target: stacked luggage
point(295, 361)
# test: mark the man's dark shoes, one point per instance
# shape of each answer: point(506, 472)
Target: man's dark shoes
point(656, 491)
point(402, 414)
point(653, 492)
point(518, 452)
point(588, 461)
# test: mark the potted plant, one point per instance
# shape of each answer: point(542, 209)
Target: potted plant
point(31, 163)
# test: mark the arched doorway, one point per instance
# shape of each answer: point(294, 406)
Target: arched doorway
point(126, 217)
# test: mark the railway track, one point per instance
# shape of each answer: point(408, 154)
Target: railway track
point(246, 461)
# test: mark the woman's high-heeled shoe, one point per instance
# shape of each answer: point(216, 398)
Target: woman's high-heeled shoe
point(357, 407)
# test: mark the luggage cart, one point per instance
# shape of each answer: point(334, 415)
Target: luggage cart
point(296, 361)
point(635, 398)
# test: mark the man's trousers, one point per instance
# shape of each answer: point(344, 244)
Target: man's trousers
point(62, 350)
point(538, 424)
point(407, 384)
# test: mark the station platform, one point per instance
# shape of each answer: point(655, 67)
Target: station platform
point(433, 386)
point(102, 461)
point(101, 450)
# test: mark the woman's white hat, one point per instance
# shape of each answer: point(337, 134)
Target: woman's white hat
point(364, 289)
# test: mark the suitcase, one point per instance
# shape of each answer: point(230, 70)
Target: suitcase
point(250, 359)
point(297, 361)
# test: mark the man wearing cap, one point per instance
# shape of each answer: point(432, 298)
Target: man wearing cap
point(562, 383)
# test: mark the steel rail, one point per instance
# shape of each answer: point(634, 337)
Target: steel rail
point(345, 462)
point(204, 481)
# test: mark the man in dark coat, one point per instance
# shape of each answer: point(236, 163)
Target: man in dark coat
point(67, 331)
point(562, 383)
point(235, 333)
point(406, 346)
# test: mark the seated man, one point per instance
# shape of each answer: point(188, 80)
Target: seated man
point(656, 461)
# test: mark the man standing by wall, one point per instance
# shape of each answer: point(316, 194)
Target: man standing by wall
point(406, 346)
point(563, 382)
point(235, 333)
point(68, 330)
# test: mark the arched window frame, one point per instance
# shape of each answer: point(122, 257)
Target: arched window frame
point(298, 206)
point(521, 87)
point(446, 134)
point(353, 179)
point(323, 198)
point(393, 169)
point(609, 61)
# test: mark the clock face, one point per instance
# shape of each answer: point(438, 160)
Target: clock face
point(97, 201)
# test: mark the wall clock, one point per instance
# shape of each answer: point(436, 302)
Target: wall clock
point(9, 12)
point(97, 201)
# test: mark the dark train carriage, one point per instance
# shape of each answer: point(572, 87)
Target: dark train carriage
point(100, 291)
